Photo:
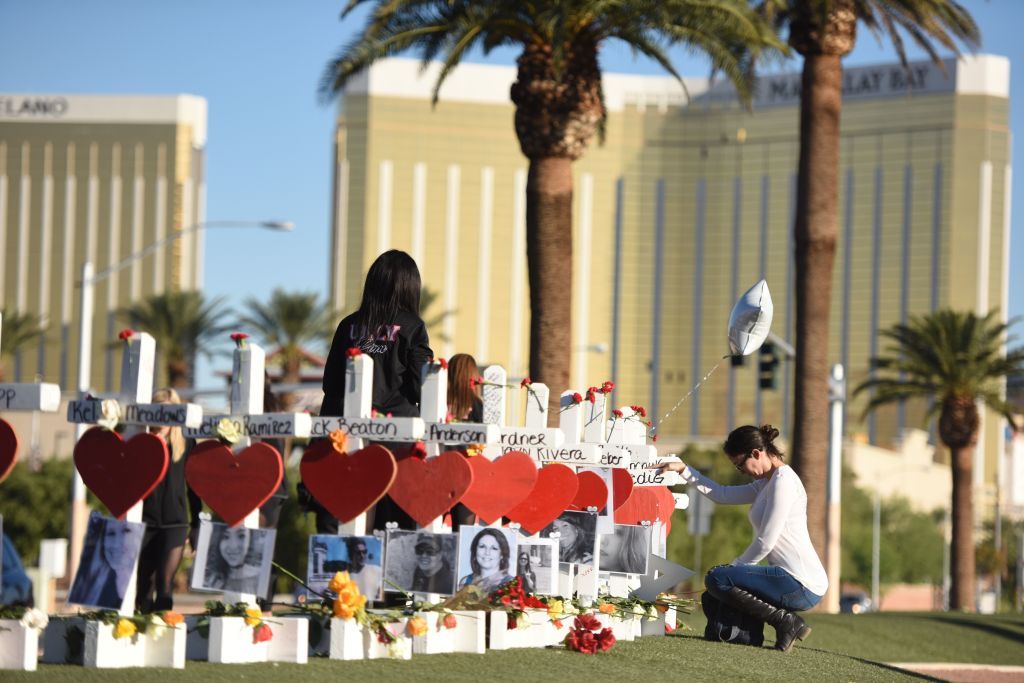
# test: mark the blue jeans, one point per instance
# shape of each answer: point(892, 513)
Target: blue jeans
point(772, 584)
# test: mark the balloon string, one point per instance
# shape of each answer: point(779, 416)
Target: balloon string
point(680, 402)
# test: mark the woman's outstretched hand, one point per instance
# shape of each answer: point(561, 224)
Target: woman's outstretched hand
point(671, 466)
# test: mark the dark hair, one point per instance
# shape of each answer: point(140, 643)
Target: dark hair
point(462, 369)
point(502, 545)
point(392, 286)
point(743, 440)
point(271, 403)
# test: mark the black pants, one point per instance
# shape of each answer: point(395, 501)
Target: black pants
point(161, 553)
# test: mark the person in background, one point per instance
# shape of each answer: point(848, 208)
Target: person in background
point(465, 405)
point(388, 328)
point(165, 513)
point(794, 578)
point(524, 570)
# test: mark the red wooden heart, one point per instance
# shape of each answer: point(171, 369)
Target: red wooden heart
point(647, 504)
point(499, 485)
point(233, 485)
point(426, 489)
point(622, 486)
point(591, 492)
point(347, 484)
point(8, 449)
point(120, 473)
point(551, 496)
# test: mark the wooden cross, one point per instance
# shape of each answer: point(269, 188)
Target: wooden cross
point(137, 412)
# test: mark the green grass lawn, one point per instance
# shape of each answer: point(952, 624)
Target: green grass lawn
point(842, 648)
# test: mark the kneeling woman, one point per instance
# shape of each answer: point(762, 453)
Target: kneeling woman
point(794, 578)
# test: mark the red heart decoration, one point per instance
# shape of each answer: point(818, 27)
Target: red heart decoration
point(647, 504)
point(499, 485)
point(591, 492)
point(622, 486)
point(347, 484)
point(551, 495)
point(8, 449)
point(233, 485)
point(120, 473)
point(426, 489)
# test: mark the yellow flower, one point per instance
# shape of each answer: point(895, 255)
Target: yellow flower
point(125, 628)
point(339, 440)
point(475, 449)
point(606, 608)
point(253, 616)
point(416, 626)
point(555, 608)
point(339, 582)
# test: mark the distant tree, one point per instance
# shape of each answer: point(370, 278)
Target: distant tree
point(184, 325)
point(291, 325)
point(958, 360)
point(17, 331)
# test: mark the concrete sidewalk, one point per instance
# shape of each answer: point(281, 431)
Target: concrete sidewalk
point(965, 673)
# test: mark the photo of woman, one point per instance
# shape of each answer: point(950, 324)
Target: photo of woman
point(233, 559)
point(109, 558)
point(625, 551)
point(576, 536)
point(537, 565)
point(485, 557)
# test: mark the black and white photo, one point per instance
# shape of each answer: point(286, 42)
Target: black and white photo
point(109, 559)
point(537, 565)
point(420, 562)
point(486, 557)
point(625, 551)
point(235, 559)
point(577, 536)
point(360, 556)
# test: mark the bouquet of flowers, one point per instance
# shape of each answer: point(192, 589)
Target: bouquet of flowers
point(587, 636)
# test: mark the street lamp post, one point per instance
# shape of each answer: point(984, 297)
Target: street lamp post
point(79, 509)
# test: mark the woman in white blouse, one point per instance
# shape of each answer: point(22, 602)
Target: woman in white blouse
point(793, 578)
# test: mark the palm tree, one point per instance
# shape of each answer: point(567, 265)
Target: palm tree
point(957, 359)
point(17, 331)
point(289, 323)
point(559, 104)
point(182, 324)
point(823, 32)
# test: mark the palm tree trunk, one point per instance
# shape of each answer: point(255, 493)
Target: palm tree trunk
point(962, 549)
point(815, 236)
point(549, 256)
point(177, 373)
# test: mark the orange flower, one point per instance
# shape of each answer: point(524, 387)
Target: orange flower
point(474, 449)
point(449, 621)
point(606, 608)
point(172, 618)
point(348, 603)
point(339, 440)
point(416, 626)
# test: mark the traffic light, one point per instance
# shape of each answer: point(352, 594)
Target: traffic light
point(766, 366)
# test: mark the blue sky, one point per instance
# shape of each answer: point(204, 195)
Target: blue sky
point(257, 62)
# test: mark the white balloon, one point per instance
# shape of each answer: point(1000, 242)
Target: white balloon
point(751, 320)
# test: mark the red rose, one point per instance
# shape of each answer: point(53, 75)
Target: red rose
point(605, 639)
point(238, 336)
point(354, 351)
point(126, 334)
point(262, 633)
point(591, 396)
point(607, 387)
point(617, 413)
point(587, 622)
point(654, 439)
point(443, 363)
point(449, 621)
point(577, 399)
point(511, 622)
point(419, 450)
point(639, 410)
point(526, 382)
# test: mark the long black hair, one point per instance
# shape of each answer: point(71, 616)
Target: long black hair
point(392, 285)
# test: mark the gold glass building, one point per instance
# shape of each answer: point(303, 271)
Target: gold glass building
point(688, 202)
point(97, 178)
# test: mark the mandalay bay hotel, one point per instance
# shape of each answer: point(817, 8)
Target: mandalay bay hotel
point(688, 202)
point(94, 178)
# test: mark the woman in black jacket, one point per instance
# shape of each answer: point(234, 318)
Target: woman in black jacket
point(388, 328)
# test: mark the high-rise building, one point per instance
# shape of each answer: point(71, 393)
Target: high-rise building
point(97, 178)
point(689, 201)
